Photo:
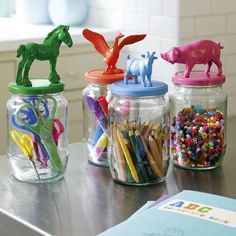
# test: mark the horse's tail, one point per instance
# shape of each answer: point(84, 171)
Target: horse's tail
point(20, 50)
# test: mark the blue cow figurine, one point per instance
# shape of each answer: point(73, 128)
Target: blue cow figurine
point(140, 67)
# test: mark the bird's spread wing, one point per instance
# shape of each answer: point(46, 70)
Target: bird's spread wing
point(131, 39)
point(97, 40)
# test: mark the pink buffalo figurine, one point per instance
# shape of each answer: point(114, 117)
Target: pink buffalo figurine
point(199, 52)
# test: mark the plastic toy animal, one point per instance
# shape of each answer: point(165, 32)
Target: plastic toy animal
point(111, 54)
point(48, 50)
point(199, 52)
point(140, 67)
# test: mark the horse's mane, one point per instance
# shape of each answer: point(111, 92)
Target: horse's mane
point(52, 32)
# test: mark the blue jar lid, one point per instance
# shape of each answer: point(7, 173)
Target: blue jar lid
point(137, 89)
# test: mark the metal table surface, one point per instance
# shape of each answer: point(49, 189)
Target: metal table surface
point(87, 201)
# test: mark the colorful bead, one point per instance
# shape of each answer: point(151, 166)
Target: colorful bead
point(197, 138)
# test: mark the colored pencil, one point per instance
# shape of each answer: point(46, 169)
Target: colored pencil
point(151, 161)
point(120, 158)
point(139, 160)
point(127, 155)
point(155, 153)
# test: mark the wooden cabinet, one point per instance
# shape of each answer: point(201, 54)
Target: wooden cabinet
point(71, 66)
point(7, 70)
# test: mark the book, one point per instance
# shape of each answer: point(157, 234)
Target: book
point(150, 204)
point(188, 213)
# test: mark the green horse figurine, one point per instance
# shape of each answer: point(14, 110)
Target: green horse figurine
point(48, 50)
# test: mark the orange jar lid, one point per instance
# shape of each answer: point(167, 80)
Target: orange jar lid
point(99, 77)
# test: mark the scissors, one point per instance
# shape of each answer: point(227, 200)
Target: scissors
point(41, 128)
point(26, 145)
point(57, 128)
point(29, 115)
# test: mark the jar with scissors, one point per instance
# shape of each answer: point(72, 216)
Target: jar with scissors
point(38, 115)
point(96, 95)
point(139, 126)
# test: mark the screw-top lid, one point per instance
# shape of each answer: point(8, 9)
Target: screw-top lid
point(48, 50)
point(198, 78)
point(133, 89)
point(145, 87)
point(99, 77)
point(38, 86)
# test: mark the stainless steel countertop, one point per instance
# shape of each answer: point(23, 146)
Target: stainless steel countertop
point(87, 201)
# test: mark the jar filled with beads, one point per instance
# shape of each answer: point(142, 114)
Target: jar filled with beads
point(38, 115)
point(96, 95)
point(198, 107)
point(139, 126)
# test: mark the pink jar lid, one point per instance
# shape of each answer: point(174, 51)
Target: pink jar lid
point(198, 78)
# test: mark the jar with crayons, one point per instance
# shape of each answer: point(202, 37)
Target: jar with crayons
point(198, 116)
point(198, 106)
point(38, 117)
point(139, 126)
point(96, 95)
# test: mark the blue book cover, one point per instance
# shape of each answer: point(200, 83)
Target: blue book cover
point(188, 213)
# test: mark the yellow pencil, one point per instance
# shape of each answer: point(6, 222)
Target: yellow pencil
point(155, 153)
point(127, 156)
point(120, 158)
point(158, 140)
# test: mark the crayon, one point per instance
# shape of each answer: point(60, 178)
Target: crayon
point(99, 147)
point(97, 134)
point(103, 103)
point(127, 155)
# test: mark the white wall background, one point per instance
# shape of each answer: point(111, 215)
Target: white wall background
point(169, 23)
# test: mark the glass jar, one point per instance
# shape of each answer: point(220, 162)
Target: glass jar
point(37, 131)
point(198, 116)
point(96, 96)
point(138, 133)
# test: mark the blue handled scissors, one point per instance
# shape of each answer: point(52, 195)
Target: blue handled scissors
point(41, 128)
point(29, 115)
point(25, 143)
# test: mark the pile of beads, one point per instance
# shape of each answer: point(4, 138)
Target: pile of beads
point(197, 137)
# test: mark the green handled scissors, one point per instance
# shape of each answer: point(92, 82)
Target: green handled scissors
point(26, 145)
point(42, 127)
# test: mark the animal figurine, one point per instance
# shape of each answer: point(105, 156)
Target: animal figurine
point(48, 50)
point(199, 52)
point(140, 67)
point(111, 55)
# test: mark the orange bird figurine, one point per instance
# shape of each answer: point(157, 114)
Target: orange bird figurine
point(111, 54)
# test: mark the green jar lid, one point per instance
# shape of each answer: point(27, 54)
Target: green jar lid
point(39, 86)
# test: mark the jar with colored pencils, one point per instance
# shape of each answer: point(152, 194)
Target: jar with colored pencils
point(139, 126)
point(38, 115)
point(96, 95)
point(198, 107)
